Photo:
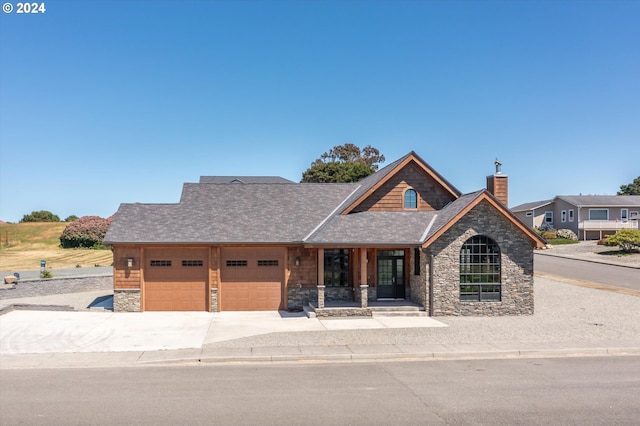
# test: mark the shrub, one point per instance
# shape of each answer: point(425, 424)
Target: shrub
point(46, 274)
point(626, 239)
point(88, 232)
point(71, 218)
point(567, 234)
point(40, 216)
point(549, 235)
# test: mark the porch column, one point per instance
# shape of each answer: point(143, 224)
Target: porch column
point(364, 288)
point(321, 278)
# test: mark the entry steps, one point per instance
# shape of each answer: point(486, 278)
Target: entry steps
point(398, 311)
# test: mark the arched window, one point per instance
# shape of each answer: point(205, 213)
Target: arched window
point(410, 199)
point(480, 270)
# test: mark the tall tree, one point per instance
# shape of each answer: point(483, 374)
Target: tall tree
point(344, 163)
point(632, 189)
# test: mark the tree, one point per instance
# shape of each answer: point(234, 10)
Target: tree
point(40, 216)
point(71, 218)
point(343, 163)
point(626, 239)
point(632, 189)
point(88, 231)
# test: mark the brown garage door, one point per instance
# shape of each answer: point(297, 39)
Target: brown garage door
point(251, 279)
point(175, 280)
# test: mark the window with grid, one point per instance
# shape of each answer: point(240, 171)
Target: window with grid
point(480, 270)
point(336, 267)
point(410, 199)
point(194, 263)
point(160, 263)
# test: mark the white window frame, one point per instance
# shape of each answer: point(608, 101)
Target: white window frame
point(624, 215)
point(548, 216)
point(634, 214)
point(600, 220)
point(571, 215)
point(529, 214)
point(563, 216)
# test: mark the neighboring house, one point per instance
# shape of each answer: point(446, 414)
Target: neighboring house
point(591, 217)
point(263, 243)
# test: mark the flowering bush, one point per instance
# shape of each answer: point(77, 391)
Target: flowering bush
point(567, 234)
point(88, 231)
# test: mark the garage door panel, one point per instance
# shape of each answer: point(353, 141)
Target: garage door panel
point(251, 296)
point(177, 285)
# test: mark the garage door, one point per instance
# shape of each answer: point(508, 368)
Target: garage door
point(175, 280)
point(251, 279)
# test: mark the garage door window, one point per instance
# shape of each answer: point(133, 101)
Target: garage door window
point(161, 263)
point(195, 263)
point(236, 263)
point(267, 263)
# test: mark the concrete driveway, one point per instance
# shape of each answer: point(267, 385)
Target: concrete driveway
point(24, 332)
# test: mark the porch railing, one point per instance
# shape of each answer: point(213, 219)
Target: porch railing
point(607, 225)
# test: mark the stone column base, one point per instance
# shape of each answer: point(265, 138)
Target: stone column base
point(363, 296)
point(126, 300)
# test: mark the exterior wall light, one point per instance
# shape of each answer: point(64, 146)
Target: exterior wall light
point(130, 262)
point(297, 261)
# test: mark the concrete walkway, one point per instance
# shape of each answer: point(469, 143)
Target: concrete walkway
point(570, 320)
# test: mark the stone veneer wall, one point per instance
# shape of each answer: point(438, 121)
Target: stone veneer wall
point(418, 291)
point(214, 299)
point(299, 297)
point(517, 265)
point(126, 300)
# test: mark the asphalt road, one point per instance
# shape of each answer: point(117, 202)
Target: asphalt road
point(584, 391)
point(618, 276)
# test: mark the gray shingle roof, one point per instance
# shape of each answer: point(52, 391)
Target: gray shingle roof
point(211, 213)
point(530, 206)
point(390, 228)
point(602, 200)
point(244, 179)
point(450, 211)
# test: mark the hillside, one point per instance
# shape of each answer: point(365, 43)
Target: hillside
point(24, 245)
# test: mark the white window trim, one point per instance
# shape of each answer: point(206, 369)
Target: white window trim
point(634, 214)
point(624, 217)
point(571, 215)
point(551, 216)
point(599, 220)
point(563, 216)
point(529, 214)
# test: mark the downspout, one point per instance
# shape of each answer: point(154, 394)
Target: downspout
point(430, 285)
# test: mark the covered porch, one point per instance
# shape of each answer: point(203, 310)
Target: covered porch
point(361, 281)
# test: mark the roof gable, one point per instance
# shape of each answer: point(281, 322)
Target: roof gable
point(374, 182)
point(459, 208)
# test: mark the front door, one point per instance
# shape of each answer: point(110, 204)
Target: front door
point(391, 274)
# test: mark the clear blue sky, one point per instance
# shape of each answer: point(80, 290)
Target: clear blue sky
point(109, 102)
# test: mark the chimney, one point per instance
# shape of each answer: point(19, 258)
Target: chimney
point(498, 184)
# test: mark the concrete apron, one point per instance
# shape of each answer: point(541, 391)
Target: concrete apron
point(23, 332)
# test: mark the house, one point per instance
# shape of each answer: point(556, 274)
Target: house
point(591, 217)
point(265, 243)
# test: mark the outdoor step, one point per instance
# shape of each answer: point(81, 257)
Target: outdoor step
point(399, 314)
point(396, 308)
